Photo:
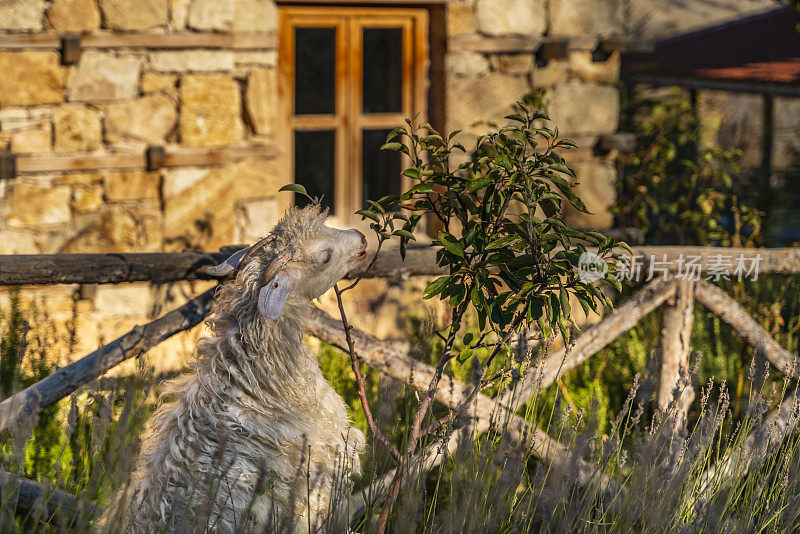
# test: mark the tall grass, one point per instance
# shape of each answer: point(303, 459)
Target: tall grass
point(727, 472)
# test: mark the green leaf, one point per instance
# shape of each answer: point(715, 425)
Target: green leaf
point(614, 281)
point(566, 190)
point(412, 173)
point(366, 214)
point(504, 161)
point(295, 188)
point(563, 169)
point(502, 242)
point(479, 183)
point(421, 188)
point(464, 355)
point(404, 233)
point(393, 146)
point(435, 287)
point(451, 244)
point(563, 296)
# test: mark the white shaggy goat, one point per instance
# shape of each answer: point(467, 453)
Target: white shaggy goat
point(231, 451)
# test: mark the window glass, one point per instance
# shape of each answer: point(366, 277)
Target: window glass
point(314, 163)
point(383, 70)
point(315, 70)
point(381, 168)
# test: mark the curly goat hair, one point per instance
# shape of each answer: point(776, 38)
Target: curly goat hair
point(255, 438)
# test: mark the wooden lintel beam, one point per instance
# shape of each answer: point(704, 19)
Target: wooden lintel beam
point(222, 156)
point(183, 40)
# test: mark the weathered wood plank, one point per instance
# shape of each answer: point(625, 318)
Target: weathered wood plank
point(162, 267)
point(29, 40)
point(236, 41)
point(181, 40)
point(677, 320)
point(79, 163)
point(157, 267)
point(744, 326)
point(133, 344)
point(26, 495)
point(477, 43)
point(32, 164)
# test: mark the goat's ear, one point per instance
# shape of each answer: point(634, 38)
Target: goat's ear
point(273, 295)
point(229, 264)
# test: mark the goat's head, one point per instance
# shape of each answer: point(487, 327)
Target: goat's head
point(301, 259)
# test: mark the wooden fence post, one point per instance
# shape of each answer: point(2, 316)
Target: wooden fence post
point(677, 320)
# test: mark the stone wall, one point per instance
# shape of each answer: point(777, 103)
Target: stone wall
point(492, 62)
point(161, 73)
point(117, 101)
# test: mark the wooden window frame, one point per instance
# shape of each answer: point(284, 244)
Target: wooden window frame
point(348, 120)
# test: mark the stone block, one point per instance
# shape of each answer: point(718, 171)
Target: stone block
point(179, 179)
point(471, 99)
point(265, 58)
point(261, 100)
point(211, 15)
point(119, 228)
point(192, 60)
point(21, 15)
point(513, 63)
point(512, 17)
point(18, 242)
point(460, 19)
point(579, 108)
point(132, 185)
point(38, 205)
point(74, 16)
point(555, 72)
point(80, 178)
point(123, 299)
point(255, 219)
point(466, 64)
point(255, 16)
point(134, 14)
point(584, 68)
point(86, 199)
point(597, 188)
point(211, 111)
point(582, 17)
point(148, 119)
point(153, 82)
point(202, 214)
point(30, 78)
point(102, 77)
point(37, 140)
point(178, 13)
point(77, 129)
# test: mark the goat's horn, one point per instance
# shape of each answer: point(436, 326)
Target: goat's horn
point(280, 261)
point(261, 243)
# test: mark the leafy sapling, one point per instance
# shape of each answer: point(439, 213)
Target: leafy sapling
point(508, 254)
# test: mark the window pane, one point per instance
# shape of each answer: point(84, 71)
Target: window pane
point(314, 161)
point(381, 168)
point(315, 70)
point(383, 70)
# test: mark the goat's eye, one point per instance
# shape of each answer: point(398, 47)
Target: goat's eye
point(326, 255)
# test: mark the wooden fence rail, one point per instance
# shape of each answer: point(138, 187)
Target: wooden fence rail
point(162, 267)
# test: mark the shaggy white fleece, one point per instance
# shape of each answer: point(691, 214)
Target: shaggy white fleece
point(255, 438)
